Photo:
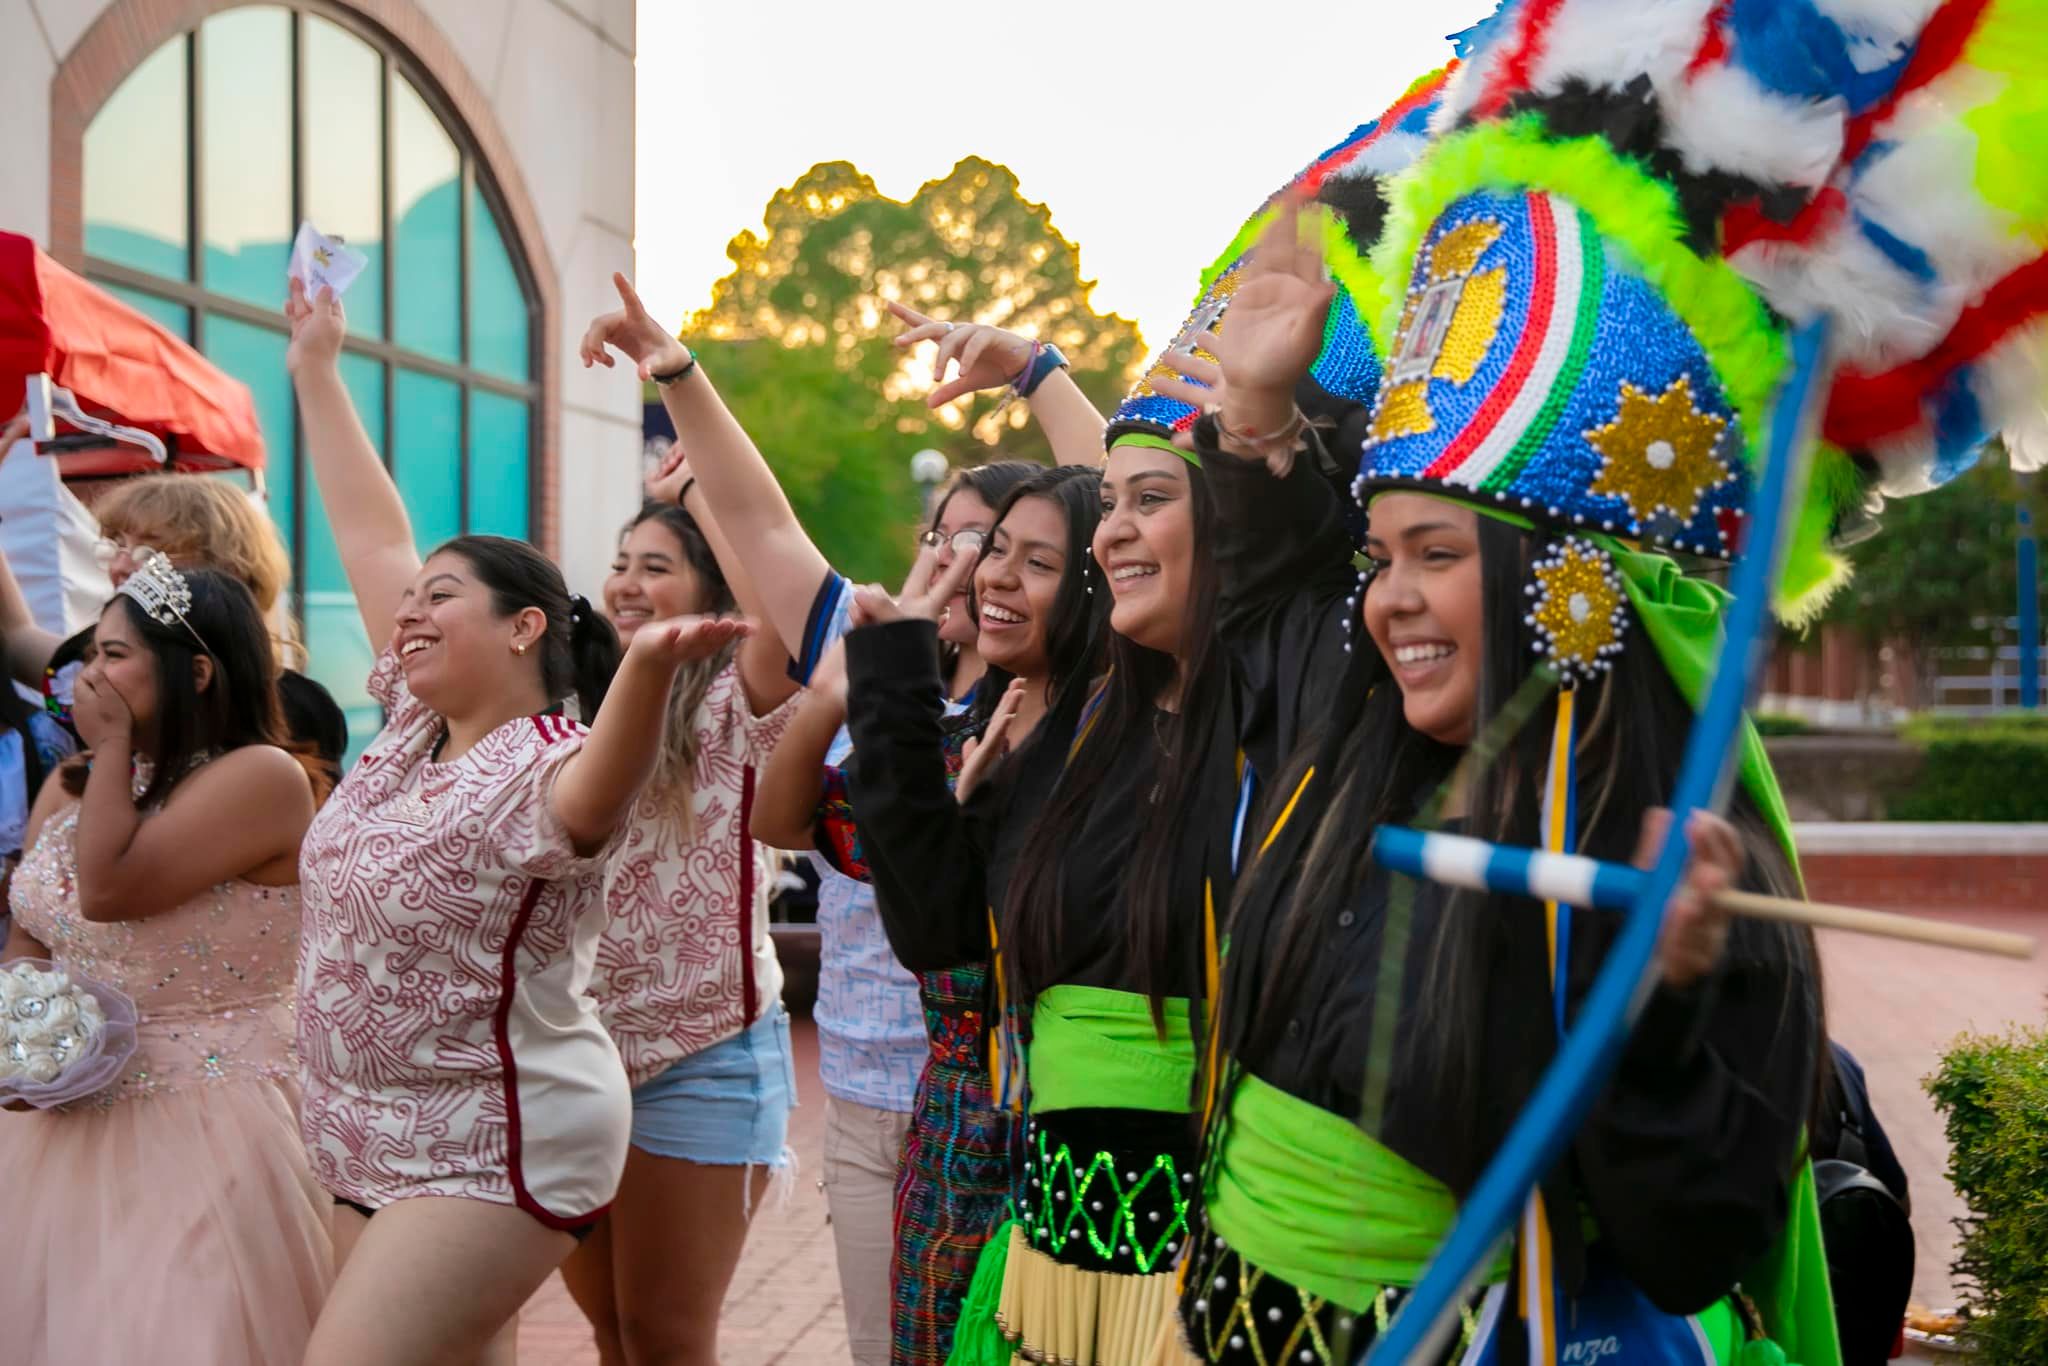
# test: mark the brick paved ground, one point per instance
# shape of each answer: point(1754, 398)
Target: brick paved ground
point(1894, 1005)
point(784, 1302)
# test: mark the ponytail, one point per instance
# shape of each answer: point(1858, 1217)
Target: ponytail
point(594, 655)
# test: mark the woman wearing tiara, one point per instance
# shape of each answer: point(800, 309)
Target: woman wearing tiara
point(176, 1206)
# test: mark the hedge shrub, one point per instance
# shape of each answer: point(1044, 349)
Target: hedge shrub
point(1994, 1093)
point(1977, 769)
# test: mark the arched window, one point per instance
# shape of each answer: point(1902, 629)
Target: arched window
point(198, 171)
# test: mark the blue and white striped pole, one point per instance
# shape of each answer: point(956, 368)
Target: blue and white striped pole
point(1461, 861)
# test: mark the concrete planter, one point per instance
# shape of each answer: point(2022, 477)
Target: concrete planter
point(1841, 777)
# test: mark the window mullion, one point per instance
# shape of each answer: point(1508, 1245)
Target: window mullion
point(297, 473)
point(464, 183)
point(195, 182)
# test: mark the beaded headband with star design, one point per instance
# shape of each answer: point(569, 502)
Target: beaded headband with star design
point(1536, 370)
point(162, 593)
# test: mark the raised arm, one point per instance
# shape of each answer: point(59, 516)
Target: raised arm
point(735, 481)
point(595, 790)
point(245, 810)
point(763, 658)
point(989, 357)
point(28, 645)
point(370, 525)
point(793, 782)
point(1283, 551)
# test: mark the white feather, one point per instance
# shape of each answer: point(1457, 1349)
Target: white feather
point(1722, 120)
point(1923, 191)
point(1608, 43)
point(1463, 89)
point(1905, 463)
point(2011, 383)
point(1883, 20)
point(1394, 152)
point(1882, 314)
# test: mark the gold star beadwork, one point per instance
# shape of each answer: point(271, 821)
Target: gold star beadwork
point(1659, 452)
point(1580, 609)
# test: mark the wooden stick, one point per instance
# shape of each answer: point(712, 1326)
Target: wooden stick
point(1884, 924)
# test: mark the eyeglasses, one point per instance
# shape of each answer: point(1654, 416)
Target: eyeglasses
point(108, 549)
point(966, 541)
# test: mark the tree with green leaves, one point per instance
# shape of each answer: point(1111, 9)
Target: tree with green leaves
point(800, 341)
point(1942, 567)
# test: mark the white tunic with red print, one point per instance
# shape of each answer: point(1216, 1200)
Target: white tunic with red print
point(687, 961)
point(446, 1041)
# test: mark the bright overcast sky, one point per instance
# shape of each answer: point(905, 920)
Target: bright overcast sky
point(1149, 130)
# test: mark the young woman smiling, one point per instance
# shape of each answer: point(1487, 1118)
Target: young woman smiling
point(937, 863)
point(1382, 1034)
point(1102, 927)
point(686, 977)
point(463, 1102)
point(871, 1040)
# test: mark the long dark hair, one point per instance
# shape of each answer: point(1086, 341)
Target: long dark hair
point(675, 771)
point(580, 651)
point(1080, 609)
point(1632, 729)
point(992, 483)
point(1137, 679)
point(238, 706)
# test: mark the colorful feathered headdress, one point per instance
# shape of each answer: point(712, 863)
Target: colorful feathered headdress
point(1623, 209)
point(1625, 206)
point(1348, 178)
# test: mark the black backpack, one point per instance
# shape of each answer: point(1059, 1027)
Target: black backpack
point(1865, 1226)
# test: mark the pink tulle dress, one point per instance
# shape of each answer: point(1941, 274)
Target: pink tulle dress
point(174, 1216)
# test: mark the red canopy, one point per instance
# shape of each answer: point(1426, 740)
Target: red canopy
point(119, 365)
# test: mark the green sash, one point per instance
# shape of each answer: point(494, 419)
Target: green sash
point(1311, 1198)
point(1093, 1047)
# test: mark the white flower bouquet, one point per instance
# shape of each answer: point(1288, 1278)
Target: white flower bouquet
point(61, 1037)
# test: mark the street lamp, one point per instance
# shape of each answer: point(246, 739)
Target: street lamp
point(928, 469)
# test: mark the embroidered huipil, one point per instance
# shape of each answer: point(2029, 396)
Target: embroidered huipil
point(446, 1040)
point(686, 960)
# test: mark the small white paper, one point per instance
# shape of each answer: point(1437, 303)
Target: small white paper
point(324, 262)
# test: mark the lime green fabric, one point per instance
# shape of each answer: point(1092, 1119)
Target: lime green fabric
point(1091, 1046)
point(1308, 1196)
point(1682, 616)
point(1790, 1286)
point(977, 1341)
point(1722, 1327)
point(1157, 443)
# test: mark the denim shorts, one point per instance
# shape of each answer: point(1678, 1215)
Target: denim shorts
point(727, 1106)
